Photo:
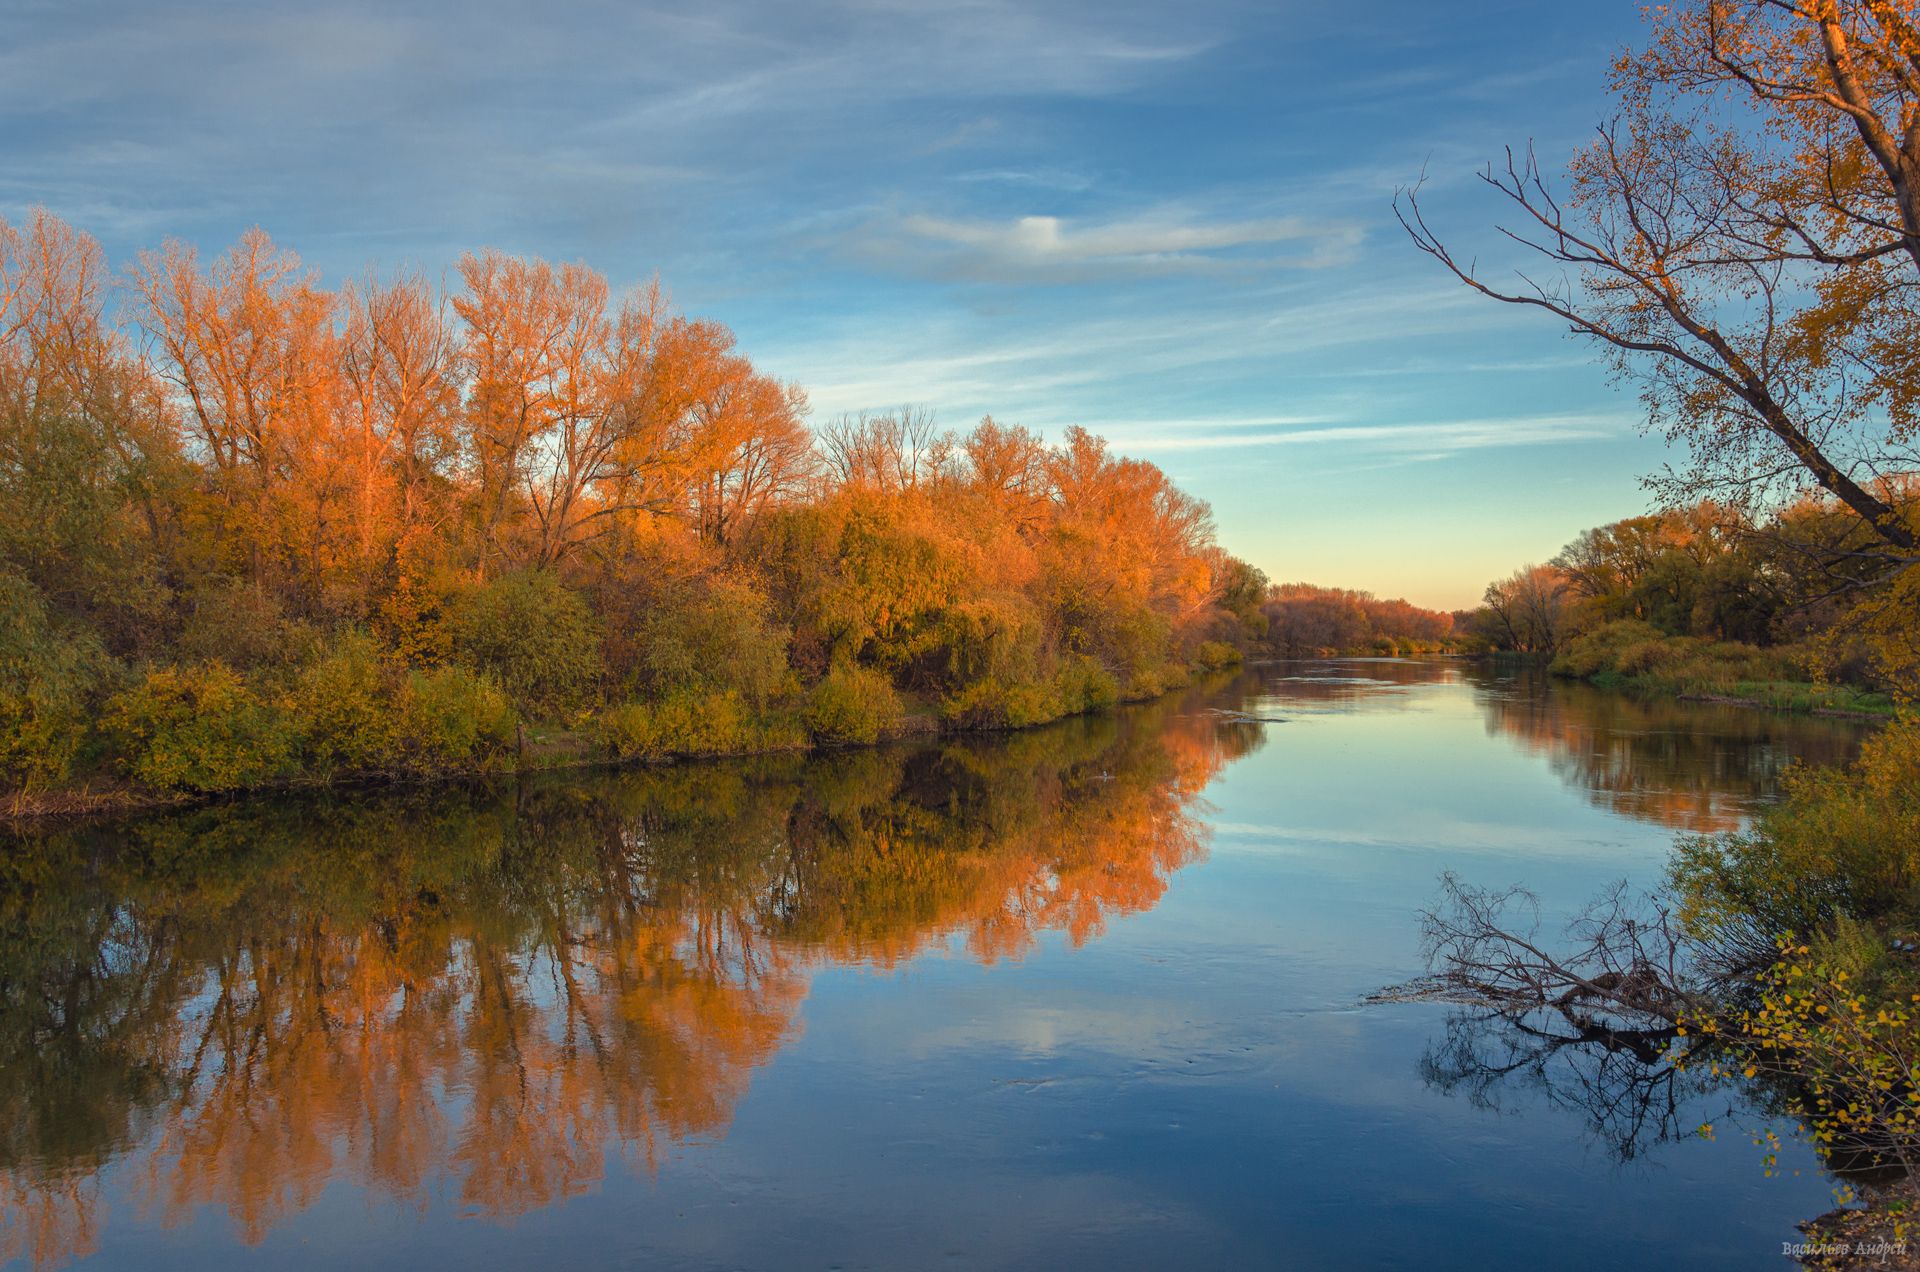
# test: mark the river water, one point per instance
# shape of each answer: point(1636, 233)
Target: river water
point(1088, 996)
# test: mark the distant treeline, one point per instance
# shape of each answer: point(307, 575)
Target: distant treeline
point(255, 531)
point(1305, 621)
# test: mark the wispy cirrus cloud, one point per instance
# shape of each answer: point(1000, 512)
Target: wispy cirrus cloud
point(1141, 349)
point(1426, 440)
point(1038, 248)
point(578, 127)
point(1065, 179)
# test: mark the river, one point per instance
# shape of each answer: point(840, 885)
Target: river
point(1087, 996)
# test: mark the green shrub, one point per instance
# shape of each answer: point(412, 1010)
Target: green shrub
point(347, 709)
point(708, 636)
point(995, 704)
point(1082, 684)
point(48, 679)
point(852, 704)
point(1027, 705)
point(1842, 842)
point(199, 729)
point(455, 718)
point(1217, 655)
point(533, 635)
point(691, 724)
point(1633, 650)
point(979, 705)
point(1598, 652)
point(1153, 680)
point(992, 637)
point(629, 731)
point(1136, 645)
point(1646, 656)
point(703, 724)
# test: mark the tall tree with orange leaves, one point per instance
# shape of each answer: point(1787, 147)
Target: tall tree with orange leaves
point(400, 389)
point(249, 343)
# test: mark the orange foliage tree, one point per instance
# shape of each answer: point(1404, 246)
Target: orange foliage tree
point(565, 495)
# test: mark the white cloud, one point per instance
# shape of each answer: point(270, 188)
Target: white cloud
point(1425, 441)
point(1137, 355)
point(1064, 179)
point(1053, 248)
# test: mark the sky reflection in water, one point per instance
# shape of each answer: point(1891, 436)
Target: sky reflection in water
point(1084, 996)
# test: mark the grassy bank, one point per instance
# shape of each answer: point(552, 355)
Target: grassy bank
point(188, 735)
point(1637, 657)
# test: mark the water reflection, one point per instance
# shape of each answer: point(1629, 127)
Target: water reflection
point(1689, 766)
point(1693, 767)
point(484, 995)
point(473, 1000)
point(1617, 1082)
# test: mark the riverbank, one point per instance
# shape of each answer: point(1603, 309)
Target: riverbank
point(1883, 1234)
point(1780, 956)
point(1804, 697)
point(632, 736)
point(1637, 658)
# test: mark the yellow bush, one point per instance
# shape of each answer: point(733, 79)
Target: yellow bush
point(1082, 684)
point(455, 718)
point(1217, 655)
point(693, 724)
point(1845, 1051)
point(198, 729)
point(347, 709)
point(1644, 656)
point(852, 704)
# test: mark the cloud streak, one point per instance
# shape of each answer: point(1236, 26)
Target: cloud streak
point(1036, 248)
point(1430, 440)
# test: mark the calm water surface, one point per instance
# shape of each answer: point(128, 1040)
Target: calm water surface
point(1087, 996)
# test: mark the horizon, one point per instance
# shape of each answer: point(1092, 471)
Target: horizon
point(1065, 216)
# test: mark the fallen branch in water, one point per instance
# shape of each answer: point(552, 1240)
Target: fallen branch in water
point(1626, 965)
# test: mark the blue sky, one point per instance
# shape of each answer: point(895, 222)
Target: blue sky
point(1169, 223)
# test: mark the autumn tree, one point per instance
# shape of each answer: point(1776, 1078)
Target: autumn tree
point(1007, 465)
point(1743, 238)
point(400, 387)
point(1304, 620)
point(536, 426)
point(249, 344)
point(888, 452)
point(298, 533)
point(1527, 611)
point(88, 451)
point(733, 440)
point(1146, 534)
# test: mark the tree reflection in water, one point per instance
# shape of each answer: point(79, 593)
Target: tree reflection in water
point(1691, 768)
point(1616, 1081)
point(489, 992)
point(1687, 766)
